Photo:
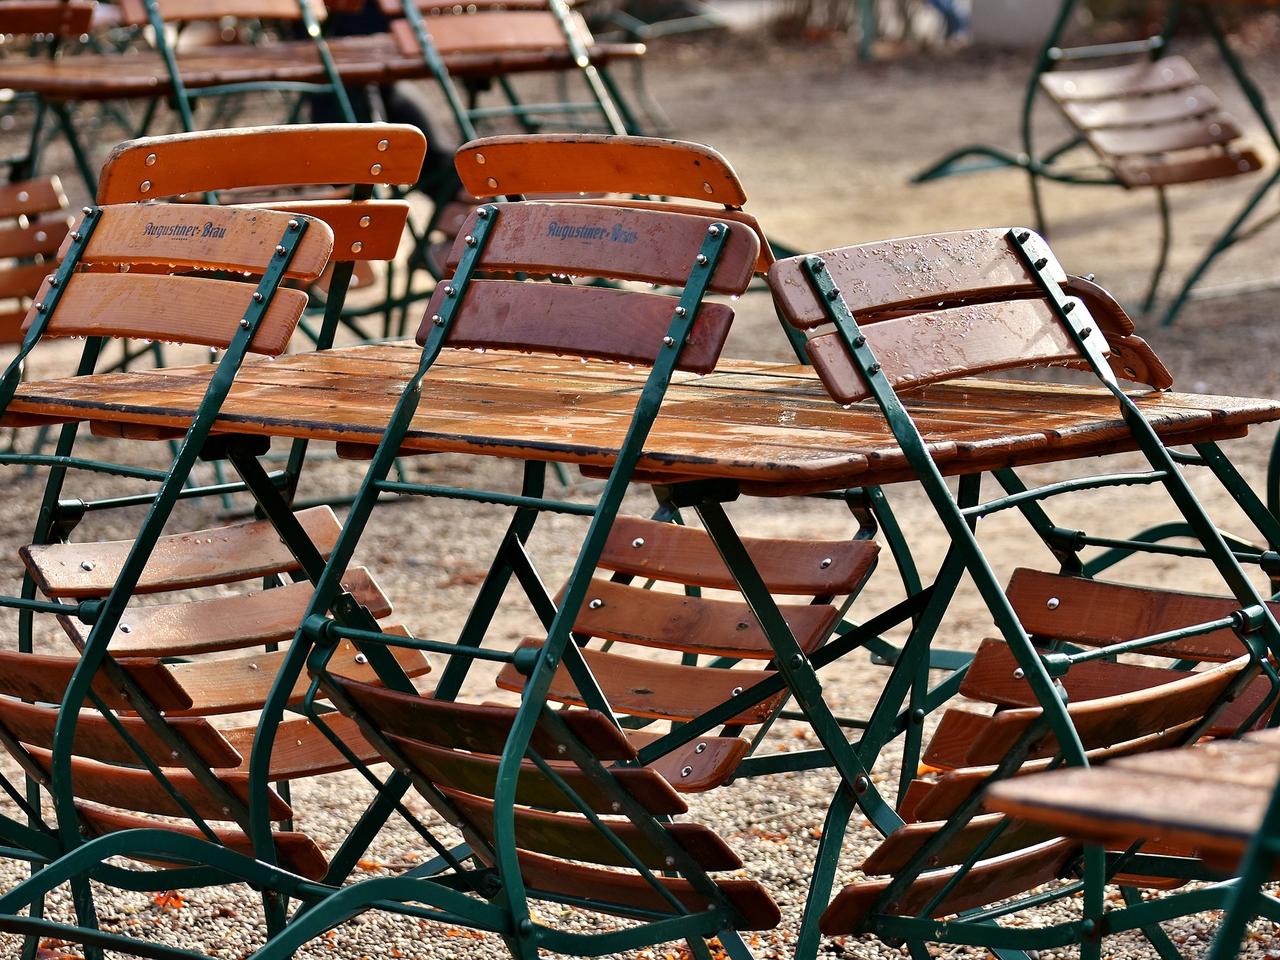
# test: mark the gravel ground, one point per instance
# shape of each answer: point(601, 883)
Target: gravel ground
point(825, 147)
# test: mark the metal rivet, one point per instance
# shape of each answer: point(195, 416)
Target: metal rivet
point(826, 562)
point(1024, 236)
point(1019, 674)
point(686, 771)
point(861, 785)
point(713, 230)
point(859, 341)
point(54, 281)
point(638, 542)
point(616, 807)
point(483, 213)
point(700, 748)
point(357, 246)
point(743, 625)
point(450, 292)
point(797, 659)
point(257, 297)
point(668, 341)
point(254, 666)
point(701, 259)
point(295, 225)
point(681, 312)
point(280, 250)
point(1052, 603)
point(480, 159)
point(492, 182)
point(125, 628)
point(151, 160)
point(173, 754)
point(1086, 332)
point(77, 235)
point(86, 565)
point(41, 307)
point(833, 294)
point(596, 604)
point(1068, 306)
point(145, 186)
point(382, 146)
point(244, 324)
point(86, 210)
point(226, 811)
point(737, 691)
point(1041, 263)
point(365, 221)
point(707, 188)
point(561, 748)
point(376, 169)
point(437, 320)
point(671, 861)
point(361, 658)
point(873, 369)
point(469, 240)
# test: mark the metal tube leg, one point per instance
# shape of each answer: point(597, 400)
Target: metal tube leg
point(1166, 241)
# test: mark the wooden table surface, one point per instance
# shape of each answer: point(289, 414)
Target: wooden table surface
point(359, 60)
point(764, 424)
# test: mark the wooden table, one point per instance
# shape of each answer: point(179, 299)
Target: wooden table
point(360, 60)
point(769, 426)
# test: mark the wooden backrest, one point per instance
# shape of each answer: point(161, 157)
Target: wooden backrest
point(523, 164)
point(614, 170)
point(133, 13)
point(59, 18)
point(184, 309)
point(453, 747)
point(896, 286)
point(489, 31)
point(544, 238)
point(1095, 613)
point(28, 198)
point(304, 155)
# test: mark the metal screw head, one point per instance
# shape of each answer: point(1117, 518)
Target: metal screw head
point(54, 281)
point(713, 231)
point(819, 266)
point(1052, 603)
point(1019, 673)
point(77, 235)
point(861, 785)
point(86, 210)
point(469, 240)
point(86, 565)
point(280, 250)
point(1069, 306)
point(596, 604)
point(826, 562)
point(361, 658)
point(483, 213)
point(681, 312)
point(671, 861)
point(41, 307)
point(450, 292)
point(1086, 332)
point(1024, 236)
point(638, 542)
point(701, 259)
point(437, 320)
point(382, 146)
point(125, 628)
point(859, 341)
point(376, 169)
point(244, 324)
point(668, 341)
point(873, 369)
point(616, 807)
point(797, 659)
point(257, 297)
point(365, 221)
point(357, 246)
point(1041, 263)
point(151, 160)
point(561, 748)
point(295, 225)
point(254, 667)
point(686, 771)
point(735, 692)
point(700, 748)
point(145, 186)
point(833, 294)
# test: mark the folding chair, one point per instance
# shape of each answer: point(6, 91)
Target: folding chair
point(1151, 123)
point(880, 321)
point(696, 255)
point(1218, 801)
point(121, 275)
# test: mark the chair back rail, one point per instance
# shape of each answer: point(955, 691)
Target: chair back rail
point(133, 13)
point(58, 18)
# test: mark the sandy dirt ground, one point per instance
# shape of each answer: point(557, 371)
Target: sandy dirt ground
point(826, 147)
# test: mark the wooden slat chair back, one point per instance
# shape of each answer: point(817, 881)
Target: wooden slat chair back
point(544, 238)
point(1120, 710)
point(903, 291)
point(163, 648)
point(134, 12)
point(614, 170)
point(644, 621)
point(34, 220)
point(66, 19)
point(451, 751)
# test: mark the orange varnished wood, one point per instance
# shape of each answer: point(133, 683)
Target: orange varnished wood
point(564, 878)
point(25, 198)
point(21, 282)
point(1131, 80)
point(490, 31)
point(477, 728)
point(1096, 613)
point(252, 619)
point(566, 163)
point(298, 853)
point(914, 272)
point(574, 837)
point(770, 425)
point(42, 238)
point(302, 750)
point(362, 231)
point(1166, 138)
point(134, 12)
point(701, 765)
point(988, 881)
point(680, 554)
point(297, 155)
point(240, 551)
point(645, 688)
point(563, 319)
point(698, 625)
point(195, 310)
point(476, 774)
point(926, 348)
point(612, 242)
point(904, 843)
point(197, 236)
point(62, 18)
point(43, 679)
point(1162, 171)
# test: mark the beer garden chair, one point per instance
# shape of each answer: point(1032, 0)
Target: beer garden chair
point(1148, 118)
point(878, 327)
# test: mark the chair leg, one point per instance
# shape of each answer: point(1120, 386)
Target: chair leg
point(1166, 241)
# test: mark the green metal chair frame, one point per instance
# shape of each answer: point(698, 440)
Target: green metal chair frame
point(1043, 164)
point(834, 298)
